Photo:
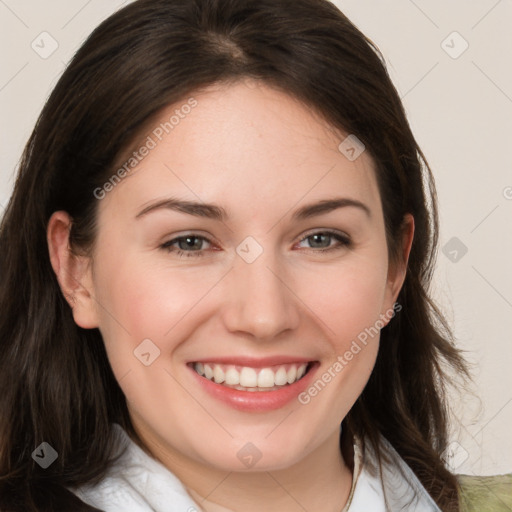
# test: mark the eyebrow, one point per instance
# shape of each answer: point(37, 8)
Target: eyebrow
point(212, 211)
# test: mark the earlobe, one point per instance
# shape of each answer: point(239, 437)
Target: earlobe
point(73, 271)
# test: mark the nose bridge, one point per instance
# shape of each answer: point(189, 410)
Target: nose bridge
point(261, 303)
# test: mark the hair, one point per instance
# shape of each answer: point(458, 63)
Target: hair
point(57, 382)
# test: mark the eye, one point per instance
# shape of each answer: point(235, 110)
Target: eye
point(192, 245)
point(187, 245)
point(321, 240)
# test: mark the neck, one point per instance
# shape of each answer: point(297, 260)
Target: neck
point(320, 481)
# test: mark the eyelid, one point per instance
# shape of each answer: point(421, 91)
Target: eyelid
point(343, 241)
point(211, 240)
point(192, 234)
point(342, 238)
point(329, 231)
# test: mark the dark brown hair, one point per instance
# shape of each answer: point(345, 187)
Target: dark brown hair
point(56, 381)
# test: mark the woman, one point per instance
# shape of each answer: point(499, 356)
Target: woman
point(218, 251)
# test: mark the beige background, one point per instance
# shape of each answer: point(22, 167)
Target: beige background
point(459, 102)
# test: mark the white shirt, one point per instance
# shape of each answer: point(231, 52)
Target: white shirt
point(139, 483)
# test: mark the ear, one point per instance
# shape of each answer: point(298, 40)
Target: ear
point(73, 272)
point(397, 270)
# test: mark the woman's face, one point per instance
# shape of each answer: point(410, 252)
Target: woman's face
point(252, 278)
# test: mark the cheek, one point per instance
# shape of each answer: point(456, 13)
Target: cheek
point(349, 306)
point(141, 309)
point(139, 300)
point(348, 298)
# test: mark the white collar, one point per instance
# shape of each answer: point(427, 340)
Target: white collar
point(139, 483)
point(394, 488)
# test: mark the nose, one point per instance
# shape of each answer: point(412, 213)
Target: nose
point(261, 299)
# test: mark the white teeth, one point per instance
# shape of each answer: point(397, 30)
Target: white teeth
point(292, 374)
point(266, 378)
point(251, 379)
point(248, 377)
point(232, 377)
point(218, 374)
point(281, 377)
point(208, 372)
point(301, 371)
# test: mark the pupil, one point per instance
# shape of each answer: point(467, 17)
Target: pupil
point(189, 241)
point(318, 237)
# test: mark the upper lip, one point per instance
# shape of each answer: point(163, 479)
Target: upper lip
point(254, 362)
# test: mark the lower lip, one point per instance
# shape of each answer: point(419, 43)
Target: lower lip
point(256, 401)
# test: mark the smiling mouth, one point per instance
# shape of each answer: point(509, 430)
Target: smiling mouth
point(246, 378)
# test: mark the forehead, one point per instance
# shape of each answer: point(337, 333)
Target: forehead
point(243, 140)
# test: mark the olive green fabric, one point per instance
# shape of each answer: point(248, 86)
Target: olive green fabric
point(486, 493)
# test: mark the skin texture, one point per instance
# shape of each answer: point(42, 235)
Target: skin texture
point(260, 155)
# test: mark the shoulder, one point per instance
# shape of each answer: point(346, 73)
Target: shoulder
point(486, 493)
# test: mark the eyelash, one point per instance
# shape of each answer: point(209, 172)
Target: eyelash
point(344, 241)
